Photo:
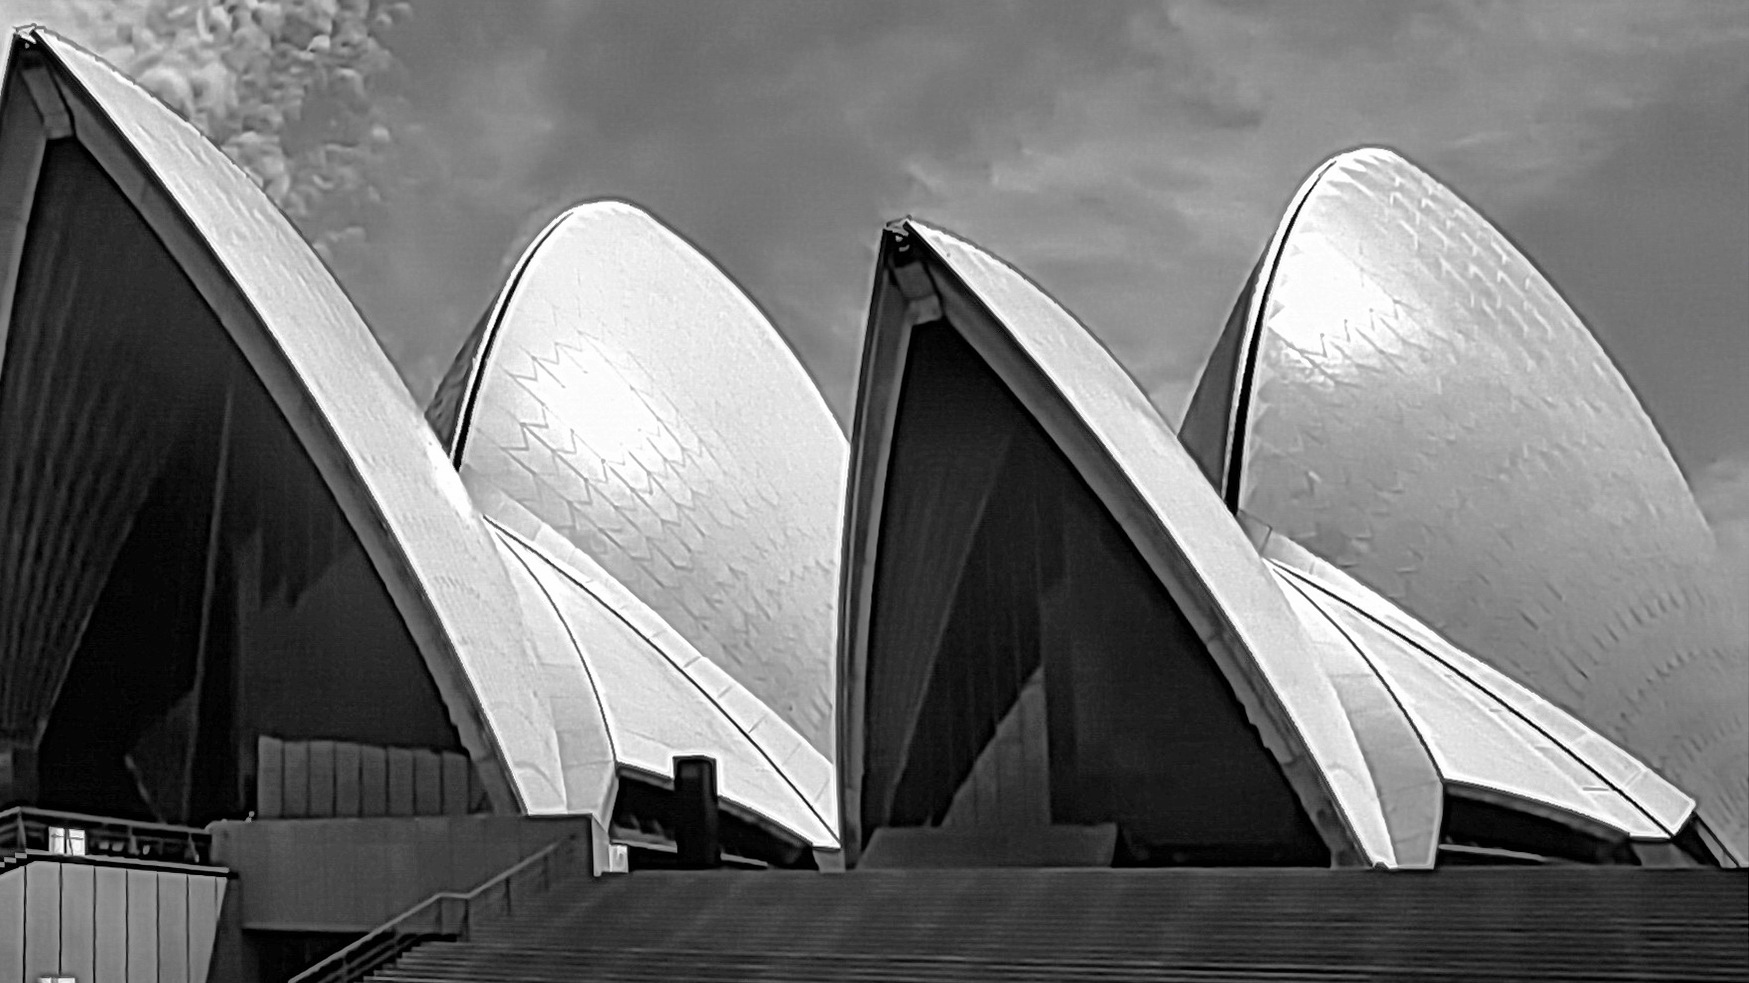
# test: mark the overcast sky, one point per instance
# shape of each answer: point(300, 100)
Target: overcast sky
point(1132, 157)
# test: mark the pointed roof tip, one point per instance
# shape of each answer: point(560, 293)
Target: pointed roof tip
point(1368, 153)
point(594, 209)
point(605, 204)
point(1366, 157)
point(593, 212)
point(589, 211)
point(30, 35)
point(925, 225)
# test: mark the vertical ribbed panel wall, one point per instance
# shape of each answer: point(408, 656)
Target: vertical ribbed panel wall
point(108, 922)
point(81, 432)
point(337, 779)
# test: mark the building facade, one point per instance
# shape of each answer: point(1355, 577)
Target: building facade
point(1416, 584)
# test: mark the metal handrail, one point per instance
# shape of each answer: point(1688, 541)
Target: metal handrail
point(431, 919)
point(27, 828)
point(80, 817)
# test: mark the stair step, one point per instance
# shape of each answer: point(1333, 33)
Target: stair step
point(1075, 925)
point(637, 964)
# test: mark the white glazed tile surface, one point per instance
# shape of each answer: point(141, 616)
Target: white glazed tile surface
point(635, 401)
point(1428, 414)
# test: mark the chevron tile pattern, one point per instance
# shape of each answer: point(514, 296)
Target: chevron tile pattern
point(633, 399)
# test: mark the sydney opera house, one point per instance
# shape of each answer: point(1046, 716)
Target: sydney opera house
point(1415, 585)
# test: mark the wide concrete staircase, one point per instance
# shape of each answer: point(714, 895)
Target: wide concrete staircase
point(1069, 925)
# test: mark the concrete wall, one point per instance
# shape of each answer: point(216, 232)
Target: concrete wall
point(108, 923)
point(351, 875)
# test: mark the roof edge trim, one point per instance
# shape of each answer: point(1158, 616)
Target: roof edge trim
point(1310, 570)
point(482, 353)
point(886, 343)
point(576, 646)
point(507, 295)
point(1403, 715)
point(1256, 307)
point(638, 617)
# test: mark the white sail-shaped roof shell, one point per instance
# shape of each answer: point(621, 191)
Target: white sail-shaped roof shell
point(1120, 444)
point(1402, 392)
point(555, 676)
point(627, 394)
point(1488, 737)
point(348, 409)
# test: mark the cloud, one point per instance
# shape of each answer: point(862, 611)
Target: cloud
point(1142, 198)
point(776, 135)
point(292, 90)
point(1131, 157)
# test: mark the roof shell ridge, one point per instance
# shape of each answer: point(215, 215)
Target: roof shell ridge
point(681, 656)
point(1636, 782)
